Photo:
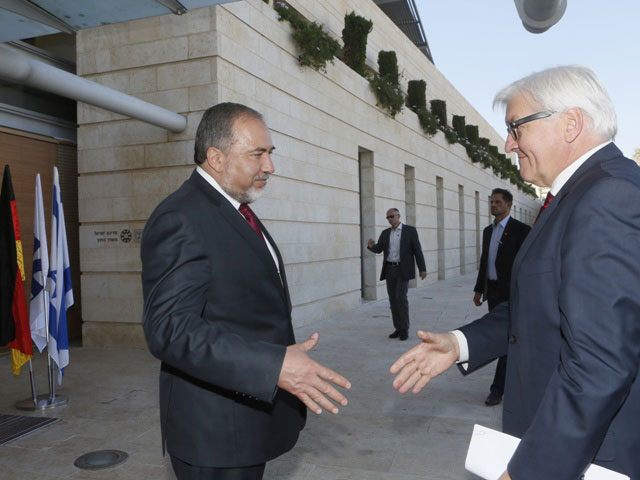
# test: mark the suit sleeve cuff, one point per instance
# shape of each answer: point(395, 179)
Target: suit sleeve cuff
point(463, 346)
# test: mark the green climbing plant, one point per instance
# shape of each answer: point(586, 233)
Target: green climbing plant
point(316, 47)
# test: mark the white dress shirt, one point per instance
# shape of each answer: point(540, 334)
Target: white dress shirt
point(394, 244)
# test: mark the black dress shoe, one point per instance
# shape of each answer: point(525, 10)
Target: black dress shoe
point(403, 336)
point(395, 334)
point(493, 399)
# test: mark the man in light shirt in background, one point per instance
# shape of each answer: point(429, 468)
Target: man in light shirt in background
point(401, 249)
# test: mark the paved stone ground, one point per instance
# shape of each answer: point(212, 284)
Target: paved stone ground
point(379, 435)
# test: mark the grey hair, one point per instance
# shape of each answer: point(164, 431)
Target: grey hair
point(216, 128)
point(560, 88)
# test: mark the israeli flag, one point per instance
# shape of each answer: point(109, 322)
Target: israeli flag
point(59, 284)
point(39, 302)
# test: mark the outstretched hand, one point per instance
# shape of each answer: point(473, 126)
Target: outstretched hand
point(416, 367)
point(310, 381)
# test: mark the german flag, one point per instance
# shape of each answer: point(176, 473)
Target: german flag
point(14, 322)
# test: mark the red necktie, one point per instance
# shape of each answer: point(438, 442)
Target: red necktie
point(547, 202)
point(247, 213)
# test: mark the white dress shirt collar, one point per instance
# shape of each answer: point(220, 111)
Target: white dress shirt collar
point(565, 174)
point(216, 185)
point(503, 222)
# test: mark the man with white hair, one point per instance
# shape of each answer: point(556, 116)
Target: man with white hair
point(571, 328)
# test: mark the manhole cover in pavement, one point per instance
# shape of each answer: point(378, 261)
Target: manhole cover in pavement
point(101, 459)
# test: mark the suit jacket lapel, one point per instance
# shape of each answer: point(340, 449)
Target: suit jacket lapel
point(283, 276)
point(486, 240)
point(248, 234)
point(507, 228)
point(386, 240)
point(237, 221)
point(404, 238)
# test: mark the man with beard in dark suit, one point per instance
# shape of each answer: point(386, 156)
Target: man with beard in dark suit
point(217, 313)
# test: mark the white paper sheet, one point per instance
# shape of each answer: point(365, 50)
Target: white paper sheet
point(490, 452)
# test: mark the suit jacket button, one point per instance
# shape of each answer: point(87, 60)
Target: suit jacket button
point(512, 339)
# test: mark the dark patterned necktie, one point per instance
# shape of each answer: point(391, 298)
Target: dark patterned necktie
point(547, 202)
point(247, 213)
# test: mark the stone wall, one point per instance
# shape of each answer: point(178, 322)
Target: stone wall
point(337, 155)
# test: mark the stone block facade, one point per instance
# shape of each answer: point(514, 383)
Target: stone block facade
point(340, 161)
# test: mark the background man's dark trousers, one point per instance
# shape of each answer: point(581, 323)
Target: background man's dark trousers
point(397, 274)
point(397, 288)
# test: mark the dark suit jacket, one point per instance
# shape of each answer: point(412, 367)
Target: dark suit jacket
point(514, 234)
point(410, 251)
point(572, 329)
point(218, 316)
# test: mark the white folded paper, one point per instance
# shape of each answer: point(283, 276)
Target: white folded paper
point(490, 452)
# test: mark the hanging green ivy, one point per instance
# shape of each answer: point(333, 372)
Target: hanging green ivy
point(389, 96)
point(317, 48)
point(417, 102)
point(354, 37)
point(385, 84)
point(315, 45)
point(428, 122)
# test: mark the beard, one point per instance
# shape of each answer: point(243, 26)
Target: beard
point(249, 196)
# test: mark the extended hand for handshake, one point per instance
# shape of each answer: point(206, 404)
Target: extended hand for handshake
point(314, 383)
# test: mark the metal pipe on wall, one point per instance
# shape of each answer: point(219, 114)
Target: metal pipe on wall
point(19, 68)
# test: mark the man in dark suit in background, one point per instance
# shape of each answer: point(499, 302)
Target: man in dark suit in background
point(217, 313)
point(401, 248)
point(572, 324)
point(500, 242)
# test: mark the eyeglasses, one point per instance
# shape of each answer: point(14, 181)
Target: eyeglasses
point(391, 216)
point(512, 127)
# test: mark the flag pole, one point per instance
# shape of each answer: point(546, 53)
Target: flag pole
point(48, 400)
point(61, 293)
point(34, 396)
point(49, 365)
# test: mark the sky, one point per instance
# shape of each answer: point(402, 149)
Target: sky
point(480, 46)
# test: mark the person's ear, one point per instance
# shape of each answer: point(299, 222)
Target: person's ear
point(215, 159)
point(573, 124)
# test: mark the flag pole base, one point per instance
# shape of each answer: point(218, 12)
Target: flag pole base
point(43, 402)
